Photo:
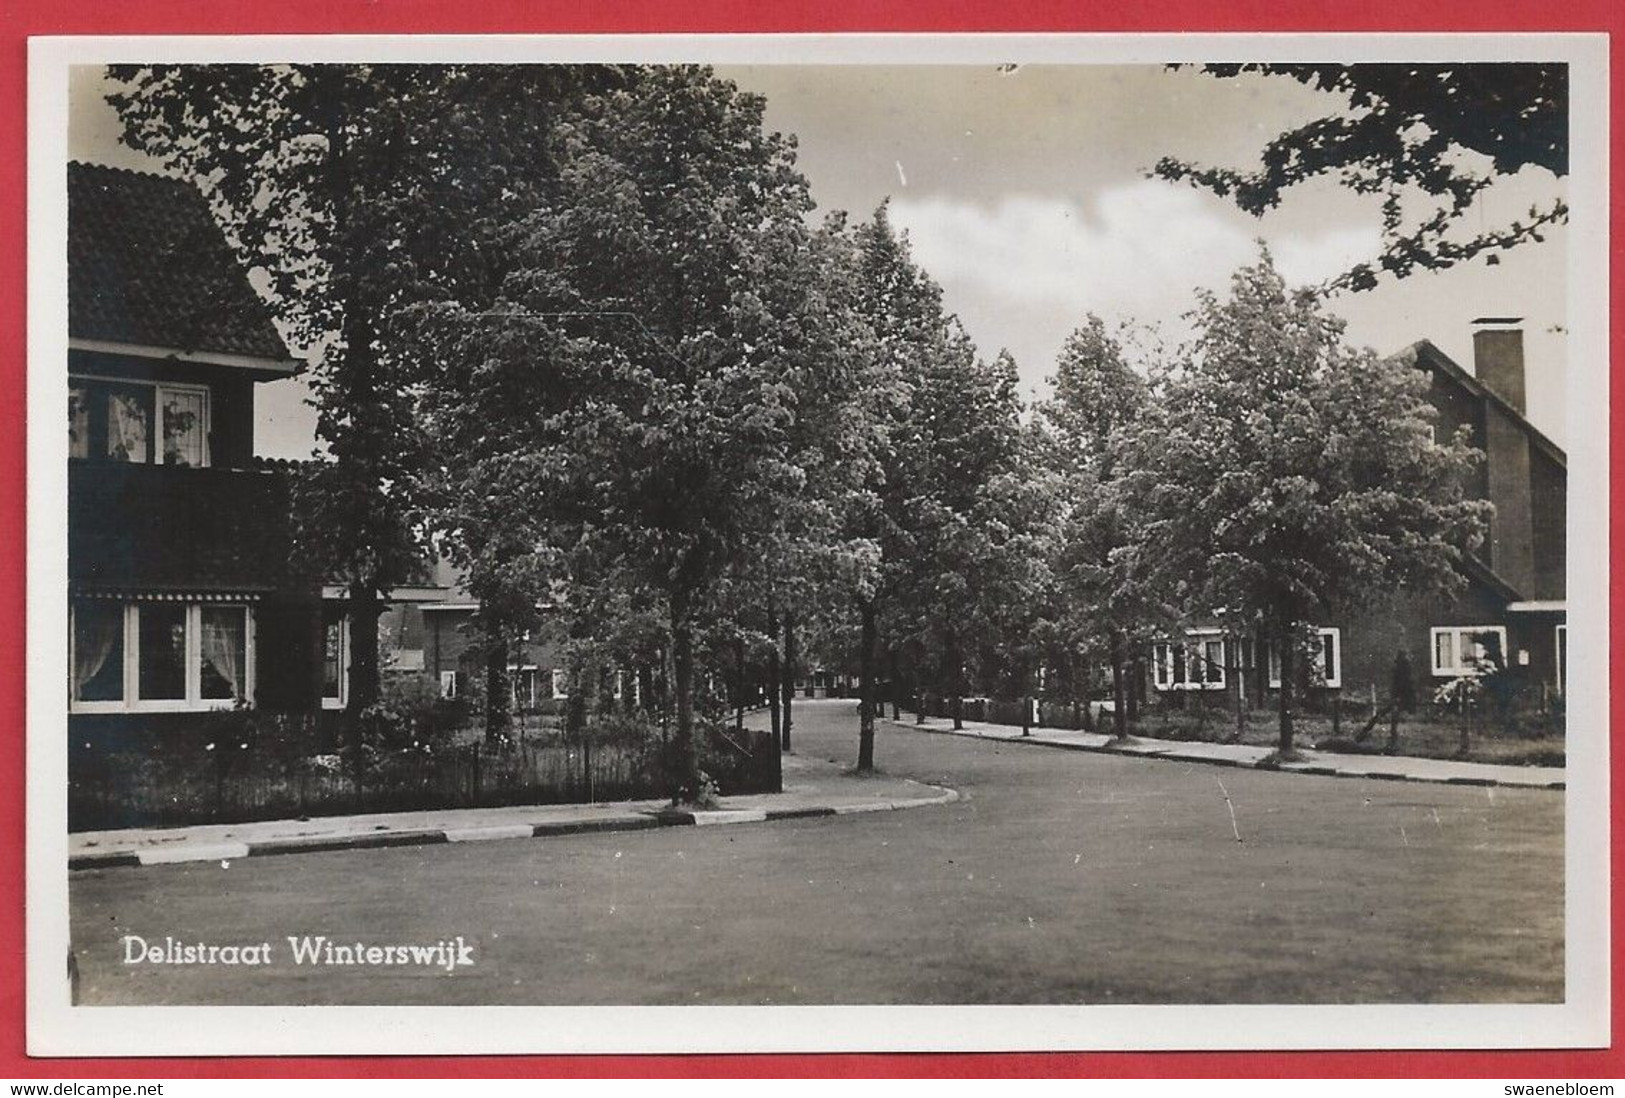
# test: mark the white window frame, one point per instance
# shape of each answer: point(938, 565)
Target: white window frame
point(448, 684)
point(1196, 641)
point(1334, 674)
point(1461, 633)
point(344, 664)
point(560, 682)
point(514, 671)
point(193, 702)
point(157, 427)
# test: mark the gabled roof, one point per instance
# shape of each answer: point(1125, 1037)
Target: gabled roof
point(148, 266)
point(1423, 353)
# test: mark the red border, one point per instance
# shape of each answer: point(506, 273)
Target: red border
point(21, 18)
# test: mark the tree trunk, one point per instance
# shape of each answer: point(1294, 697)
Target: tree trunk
point(775, 678)
point(1025, 691)
point(498, 700)
point(364, 611)
point(646, 689)
point(685, 758)
point(866, 689)
point(896, 686)
point(1119, 689)
point(1233, 675)
point(789, 686)
point(739, 685)
point(1286, 644)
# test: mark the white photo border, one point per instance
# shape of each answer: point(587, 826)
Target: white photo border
point(57, 1029)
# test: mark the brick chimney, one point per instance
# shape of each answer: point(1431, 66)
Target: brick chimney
point(1498, 357)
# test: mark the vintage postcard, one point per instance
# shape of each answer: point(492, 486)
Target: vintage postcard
point(817, 543)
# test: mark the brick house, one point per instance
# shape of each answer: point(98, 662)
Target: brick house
point(181, 599)
point(1512, 610)
point(437, 639)
point(183, 595)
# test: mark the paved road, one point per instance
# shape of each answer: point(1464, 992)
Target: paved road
point(1059, 877)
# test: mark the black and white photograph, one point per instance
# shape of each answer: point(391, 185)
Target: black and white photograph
point(817, 544)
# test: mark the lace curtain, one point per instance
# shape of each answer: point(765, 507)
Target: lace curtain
point(97, 631)
point(223, 652)
point(129, 427)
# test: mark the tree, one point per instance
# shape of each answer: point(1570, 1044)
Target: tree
point(354, 190)
point(1439, 132)
point(1099, 400)
point(665, 336)
point(1294, 477)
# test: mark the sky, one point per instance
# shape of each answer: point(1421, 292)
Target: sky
point(1026, 196)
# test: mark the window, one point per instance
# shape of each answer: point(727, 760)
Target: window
point(223, 664)
point(98, 652)
point(522, 684)
point(1468, 649)
point(335, 658)
point(159, 656)
point(1198, 664)
point(1561, 642)
point(183, 425)
point(448, 684)
point(138, 422)
point(561, 684)
point(129, 425)
point(78, 421)
point(161, 648)
point(1326, 656)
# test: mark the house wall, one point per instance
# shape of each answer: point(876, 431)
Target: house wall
point(1549, 491)
point(1373, 639)
point(1511, 542)
point(448, 637)
point(1458, 408)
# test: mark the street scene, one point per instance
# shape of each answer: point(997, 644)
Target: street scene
point(662, 534)
point(1055, 877)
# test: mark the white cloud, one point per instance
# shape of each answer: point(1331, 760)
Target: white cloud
point(1139, 251)
point(1023, 272)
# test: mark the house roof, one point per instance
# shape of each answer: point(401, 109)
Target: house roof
point(1424, 353)
point(148, 266)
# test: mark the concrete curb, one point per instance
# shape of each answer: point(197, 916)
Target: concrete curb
point(642, 820)
point(1174, 754)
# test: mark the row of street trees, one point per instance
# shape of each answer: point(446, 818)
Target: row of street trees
point(576, 328)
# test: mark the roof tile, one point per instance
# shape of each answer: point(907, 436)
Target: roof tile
point(148, 265)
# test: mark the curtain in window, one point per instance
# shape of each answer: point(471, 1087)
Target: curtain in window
point(183, 428)
point(333, 659)
point(78, 422)
point(223, 653)
point(98, 637)
point(128, 427)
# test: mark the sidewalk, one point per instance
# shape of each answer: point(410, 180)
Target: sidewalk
point(1325, 763)
point(812, 787)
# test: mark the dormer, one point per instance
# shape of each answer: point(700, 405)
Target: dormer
point(166, 336)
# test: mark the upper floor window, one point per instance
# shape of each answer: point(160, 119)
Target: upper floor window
point(138, 422)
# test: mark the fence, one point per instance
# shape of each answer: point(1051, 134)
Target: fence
point(159, 789)
point(1055, 715)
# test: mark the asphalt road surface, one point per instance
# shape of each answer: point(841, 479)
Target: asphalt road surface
point(1059, 877)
